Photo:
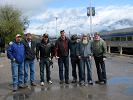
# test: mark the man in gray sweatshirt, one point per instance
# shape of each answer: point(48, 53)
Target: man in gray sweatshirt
point(84, 53)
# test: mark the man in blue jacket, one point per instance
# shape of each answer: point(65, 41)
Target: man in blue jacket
point(15, 53)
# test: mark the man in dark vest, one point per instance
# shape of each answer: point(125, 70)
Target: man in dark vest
point(30, 46)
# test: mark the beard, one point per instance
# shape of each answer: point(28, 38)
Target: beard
point(85, 41)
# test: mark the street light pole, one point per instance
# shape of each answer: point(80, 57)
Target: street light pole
point(90, 13)
point(90, 17)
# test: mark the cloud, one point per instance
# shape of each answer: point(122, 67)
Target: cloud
point(29, 7)
point(75, 20)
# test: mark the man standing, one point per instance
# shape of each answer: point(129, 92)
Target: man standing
point(62, 54)
point(99, 53)
point(75, 62)
point(30, 46)
point(45, 50)
point(16, 54)
point(84, 53)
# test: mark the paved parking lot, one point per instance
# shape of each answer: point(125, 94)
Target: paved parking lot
point(119, 86)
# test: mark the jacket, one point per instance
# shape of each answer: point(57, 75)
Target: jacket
point(29, 51)
point(84, 50)
point(99, 48)
point(16, 51)
point(44, 49)
point(62, 47)
point(73, 48)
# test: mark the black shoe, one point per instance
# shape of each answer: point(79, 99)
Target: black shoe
point(100, 82)
point(67, 82)
point(14, 90)
point(33, 84)
point(26, 84)
point(74, 81)
point(61, 82)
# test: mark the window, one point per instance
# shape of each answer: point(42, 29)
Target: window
point(123, 38)
point(129, 38)
point(117, 38)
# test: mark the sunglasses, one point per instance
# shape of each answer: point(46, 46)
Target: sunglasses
point(46, 37)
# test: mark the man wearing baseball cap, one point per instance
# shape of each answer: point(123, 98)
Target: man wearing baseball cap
point(16, 54)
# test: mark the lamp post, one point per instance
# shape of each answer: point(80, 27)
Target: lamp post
point(90, 13)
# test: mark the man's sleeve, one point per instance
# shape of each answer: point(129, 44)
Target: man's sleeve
point(9, 52)
point(104, 49)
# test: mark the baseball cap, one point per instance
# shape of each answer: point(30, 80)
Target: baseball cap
point(18, 35)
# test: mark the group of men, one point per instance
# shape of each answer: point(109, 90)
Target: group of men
point(22, 54)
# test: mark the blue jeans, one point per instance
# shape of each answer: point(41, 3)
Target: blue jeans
point(17, 73)
point(29, 64)
point(63, 62)
point(86, 63)
point(44, 63)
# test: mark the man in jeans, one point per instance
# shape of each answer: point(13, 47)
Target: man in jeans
point(99, 52)
point(75, 62)
point(62, 54)
point(16, 54)
point(84, 53)
point(30, 46)
point(44, 53)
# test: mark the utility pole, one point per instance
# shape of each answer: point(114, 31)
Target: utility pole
point(90, 13)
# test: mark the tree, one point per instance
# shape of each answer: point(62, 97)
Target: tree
point(11, 22)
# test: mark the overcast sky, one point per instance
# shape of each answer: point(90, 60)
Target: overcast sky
point(71, 14)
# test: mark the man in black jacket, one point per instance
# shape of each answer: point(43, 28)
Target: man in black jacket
point(75, 61)
point(45, 50)
point(30, 46)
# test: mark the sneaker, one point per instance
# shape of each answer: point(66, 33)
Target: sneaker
point(15, 89)
point(33, 84)
point(50, 82)
point(21, 86)
point(81, 83)
point(90, 82)
point(42, 83)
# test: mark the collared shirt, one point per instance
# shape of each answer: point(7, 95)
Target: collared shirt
point(29, 42)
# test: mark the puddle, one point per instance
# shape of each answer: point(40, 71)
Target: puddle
point(128, 91)
point(120, 80)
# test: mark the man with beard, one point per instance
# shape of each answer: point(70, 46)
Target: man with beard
point(85, 55)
